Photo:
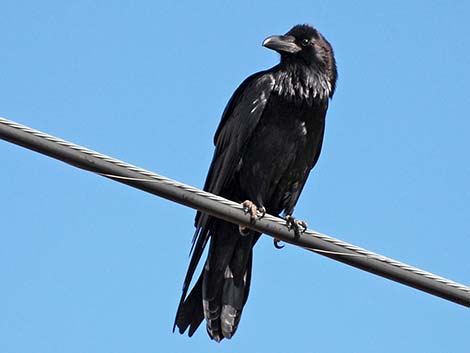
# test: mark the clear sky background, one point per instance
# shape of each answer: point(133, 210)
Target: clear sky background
point(90, 265)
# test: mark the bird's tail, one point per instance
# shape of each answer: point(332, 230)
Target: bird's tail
point(223, 312)
point(190, 313)
point(222, 289)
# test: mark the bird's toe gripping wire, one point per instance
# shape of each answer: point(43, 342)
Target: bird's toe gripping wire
point(296, 225)
point(255, 213)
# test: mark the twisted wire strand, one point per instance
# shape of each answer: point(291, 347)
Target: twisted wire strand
point(153, 177)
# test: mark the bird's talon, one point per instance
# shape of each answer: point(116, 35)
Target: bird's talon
point(289, 221)
point(261, 212)
point(276, 244)
point(303, 225)
point(246, 206)
point(243, 230)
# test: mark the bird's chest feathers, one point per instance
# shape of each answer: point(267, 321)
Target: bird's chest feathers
point(302, 86)
point(289, 124)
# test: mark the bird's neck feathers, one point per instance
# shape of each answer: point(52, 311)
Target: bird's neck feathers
point(299, 81)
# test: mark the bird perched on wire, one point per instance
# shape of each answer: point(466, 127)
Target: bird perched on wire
point(268, 140)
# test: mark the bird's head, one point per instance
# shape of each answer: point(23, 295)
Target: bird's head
point(305, 45)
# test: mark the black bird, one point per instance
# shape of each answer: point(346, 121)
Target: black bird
point(268, 140)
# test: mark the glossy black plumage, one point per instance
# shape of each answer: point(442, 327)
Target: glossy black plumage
point(268, 140)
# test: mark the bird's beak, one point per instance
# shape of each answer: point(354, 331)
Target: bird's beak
point(282, 44)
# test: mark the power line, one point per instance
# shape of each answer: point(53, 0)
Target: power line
point(217, 206)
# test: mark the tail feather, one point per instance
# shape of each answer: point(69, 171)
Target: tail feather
point(222, 288)
point(224, 239)
point(190, 312)
point(234, 297)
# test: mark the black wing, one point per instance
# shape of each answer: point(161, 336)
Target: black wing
point(240, 118)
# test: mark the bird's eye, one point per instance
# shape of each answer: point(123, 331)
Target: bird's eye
point(305, 42)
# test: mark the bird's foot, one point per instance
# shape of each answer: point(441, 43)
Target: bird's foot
point(255, 213)
point(296, 225)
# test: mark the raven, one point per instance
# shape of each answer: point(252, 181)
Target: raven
point(268, 140)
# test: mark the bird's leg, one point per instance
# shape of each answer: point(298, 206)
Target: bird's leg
point(255, 213)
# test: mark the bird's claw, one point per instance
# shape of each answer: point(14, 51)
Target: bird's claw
point(255, 213)
point(276, 244)
point(243, 230)
point(297, 225)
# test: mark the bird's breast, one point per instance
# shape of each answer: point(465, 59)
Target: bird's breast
point(302, 85)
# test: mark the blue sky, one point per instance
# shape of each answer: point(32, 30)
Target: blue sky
point(89, 265)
